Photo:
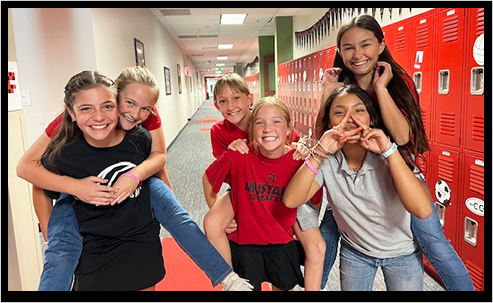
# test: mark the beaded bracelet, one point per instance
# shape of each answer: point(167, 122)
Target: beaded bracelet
point(317, 155)
point(311, 167)
point(326, 151)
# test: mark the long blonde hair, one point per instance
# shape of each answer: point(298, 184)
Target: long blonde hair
point(267, 101)
point(69, 131)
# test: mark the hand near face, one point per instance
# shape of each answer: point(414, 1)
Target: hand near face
point(372, 139)
point(333, 139)
point(382, 75)
point(330, 79)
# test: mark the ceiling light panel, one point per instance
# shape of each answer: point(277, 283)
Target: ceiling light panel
point(224, 46)
point(232, 18)
point(222, 57)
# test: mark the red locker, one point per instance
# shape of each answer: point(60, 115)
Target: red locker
point(474, 82)
point(329, 56)
point(426, 165)
point(291, 84)
point(471, 236)
point(422, 55)
point(401, 33)
point(309, 82)
point(449, 71)
point(444, 188)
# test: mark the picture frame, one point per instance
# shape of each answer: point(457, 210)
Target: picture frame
point(178, 72)
point(167, 80)
point(139, 52)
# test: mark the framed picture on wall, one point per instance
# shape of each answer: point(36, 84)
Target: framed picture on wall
point(178, 72)
point(167, 80)
point(139, 52)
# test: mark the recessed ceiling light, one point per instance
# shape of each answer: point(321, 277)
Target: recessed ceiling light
point(232, 18)
point(222, 57)
point(220, 64)
point(224, 46)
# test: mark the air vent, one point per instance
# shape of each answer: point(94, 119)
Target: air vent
point(447, 123)
point(477, 179)
point(478, 128)
point(208, 36)
point(175, 12)
point(450, 29)
point(445, 168)
point(196, 36)
point(480, 22)
point(422, 36)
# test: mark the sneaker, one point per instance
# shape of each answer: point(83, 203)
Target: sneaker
point(233, 282)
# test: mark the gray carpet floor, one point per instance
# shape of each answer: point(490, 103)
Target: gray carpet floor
point(188, 157)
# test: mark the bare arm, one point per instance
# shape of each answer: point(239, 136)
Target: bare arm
point(302, 186)
point(210, 195)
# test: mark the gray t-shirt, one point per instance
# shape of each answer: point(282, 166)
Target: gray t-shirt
point(366, 206)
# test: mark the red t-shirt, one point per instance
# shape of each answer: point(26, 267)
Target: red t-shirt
point(153, 122)
point(257, 186)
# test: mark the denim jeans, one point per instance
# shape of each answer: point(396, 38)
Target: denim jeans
point(64, 247)
point(65, 242)
point(186, 232)
point(401, 273)
point(330, 233)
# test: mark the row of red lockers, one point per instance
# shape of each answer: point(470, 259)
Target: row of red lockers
point(442, 49)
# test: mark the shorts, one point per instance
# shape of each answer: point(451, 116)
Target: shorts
point(114, 265)
point(307, 216)
point(275, 263)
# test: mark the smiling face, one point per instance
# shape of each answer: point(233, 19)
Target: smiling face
point(270, 130)
point(234, 106)
point(348, 102)
point(95, 112)
point(359, 49)
point(135, 106)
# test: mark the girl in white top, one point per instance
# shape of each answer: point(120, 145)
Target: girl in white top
point(371, 191)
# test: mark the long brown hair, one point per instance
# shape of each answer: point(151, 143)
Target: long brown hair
point(69, 131)
point(406, 98)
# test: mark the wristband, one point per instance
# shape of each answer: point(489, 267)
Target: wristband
point(390, 151)
point(311, 167)
point(130, 175)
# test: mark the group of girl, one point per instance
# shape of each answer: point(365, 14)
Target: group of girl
point(369, 133)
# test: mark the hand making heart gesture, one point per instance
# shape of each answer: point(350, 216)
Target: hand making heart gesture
point(372, 139)
point(333, 139)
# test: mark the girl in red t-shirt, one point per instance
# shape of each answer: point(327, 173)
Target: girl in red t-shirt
point(263, 248)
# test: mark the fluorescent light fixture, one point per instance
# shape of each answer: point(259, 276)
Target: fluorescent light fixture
point(220, 64)
point(232, 18)
point(224, 46)
point(222, 57)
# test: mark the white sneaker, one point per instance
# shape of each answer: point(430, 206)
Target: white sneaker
point(233, 282)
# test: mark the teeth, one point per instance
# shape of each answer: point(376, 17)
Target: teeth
point(269, 138)
point(234, 113)
point(128, 118)
point(359, 63)
point(99, 126)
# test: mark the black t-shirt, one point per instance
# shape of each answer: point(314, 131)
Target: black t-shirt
point(132, 219)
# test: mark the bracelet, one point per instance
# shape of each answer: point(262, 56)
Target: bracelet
point(326, 151)
point(317, 155)
point(390, 151)
point(130, 175)
point(311, 167)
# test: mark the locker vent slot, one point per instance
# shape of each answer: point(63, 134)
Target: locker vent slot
point(478, 128)
point(422, 37)
point(400, 42)
point(480, 22)
point(447, 123)
point(476, 183)
point(477, 275)
point(445, 168)
point(450, 29)
point(423, 117)
point(421, 164)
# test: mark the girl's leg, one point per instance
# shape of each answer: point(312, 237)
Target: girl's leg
point(356, 269)
point(404, 273)
point(215, 223)
point(330, 233)
point(186, 232)
point(64, 247)
point(314, 246)
point(438, 250)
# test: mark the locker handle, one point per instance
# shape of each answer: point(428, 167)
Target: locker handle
point(477, 80)
point(418, 79)
point(471, 231)
point(443, 82)
point(441, 213)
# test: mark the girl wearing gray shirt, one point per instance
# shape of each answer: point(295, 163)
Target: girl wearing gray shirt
point(371, 190)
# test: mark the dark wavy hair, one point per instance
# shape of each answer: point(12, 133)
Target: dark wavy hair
point(401, 87)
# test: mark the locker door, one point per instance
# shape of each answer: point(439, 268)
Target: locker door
point(426, 165)
point(471, 233)
point(445, 188)
point(279, 91)
point(329, 56)
point(389, 38)
point(304, 83)
point(422, 52)
point(449, 72)
point(474, 85)
point(401, 32)
point(309, 82)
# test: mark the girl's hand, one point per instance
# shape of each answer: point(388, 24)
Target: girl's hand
point(330, 79)
point(372, 139)
point(239, 145)
point(301, 151)
point(333, 139)
point(126, 186)
point(381, 81)
point(232, 227)
point(90, 191)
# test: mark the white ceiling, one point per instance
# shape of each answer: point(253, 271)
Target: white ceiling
point(199, 32)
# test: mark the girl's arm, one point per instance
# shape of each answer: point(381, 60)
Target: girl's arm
point(43, 206)
point(393, 118)
point(88, 190)
point(210, 195)
point(302, 186)
point(154, 164)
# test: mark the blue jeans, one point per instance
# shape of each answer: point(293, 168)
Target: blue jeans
point(429, 235)
point(65, 242)
point(64, 247)
point(401, 273)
